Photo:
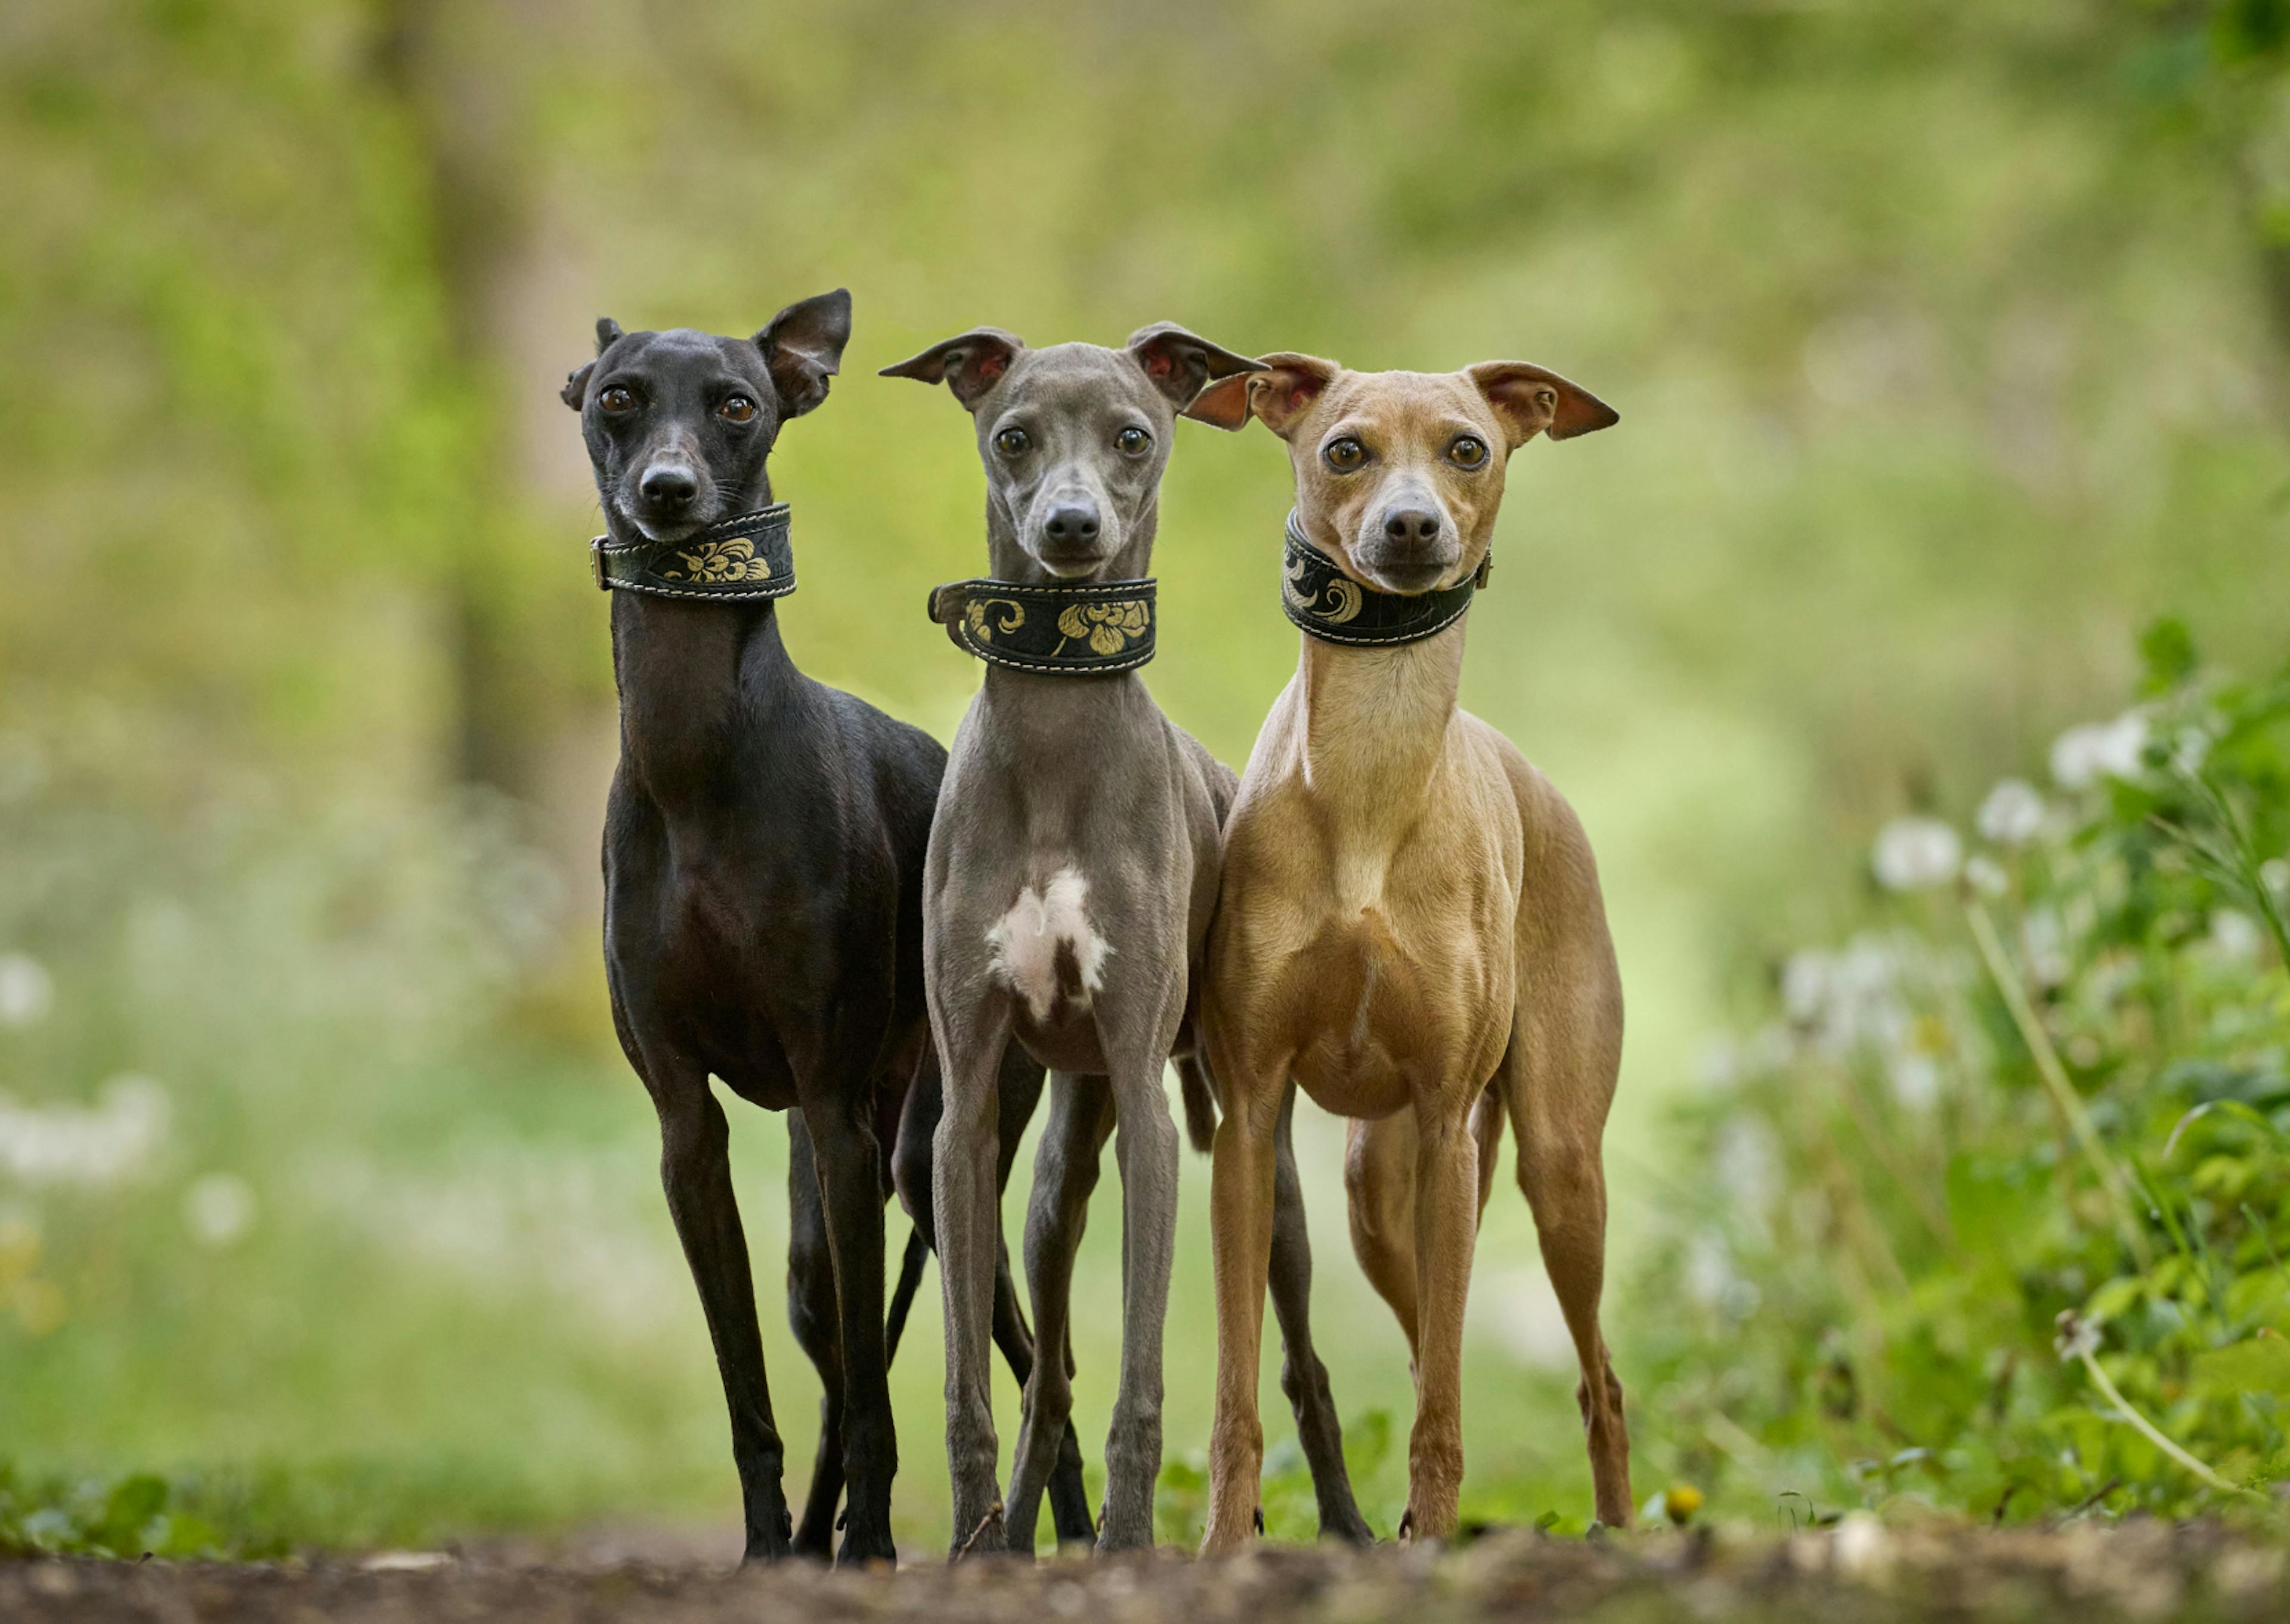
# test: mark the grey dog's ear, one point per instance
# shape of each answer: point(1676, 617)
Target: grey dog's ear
point(1531, 400)
point(1181, 364)
point(1278, 390)
point(803, 346)
point(969, 363)
point(576, 383)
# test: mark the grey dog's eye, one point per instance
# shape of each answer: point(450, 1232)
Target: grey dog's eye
point(1346, 454)
point(1468, 452)
point(1011, 441)
point(1133, 441)
point(616, 399)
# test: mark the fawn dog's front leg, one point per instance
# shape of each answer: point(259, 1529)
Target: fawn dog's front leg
point(1446, 1226)
point(1241, 1200)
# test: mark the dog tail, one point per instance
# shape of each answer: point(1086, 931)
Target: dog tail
point(1200, 1103)
point(902, 1298)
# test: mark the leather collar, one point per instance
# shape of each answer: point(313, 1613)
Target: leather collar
point(1332, 606)
point(1084, 630)
point(744, 559)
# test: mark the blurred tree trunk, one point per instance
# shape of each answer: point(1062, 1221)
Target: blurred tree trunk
point(459, 110)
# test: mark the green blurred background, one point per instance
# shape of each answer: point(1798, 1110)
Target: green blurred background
point(1949, 342)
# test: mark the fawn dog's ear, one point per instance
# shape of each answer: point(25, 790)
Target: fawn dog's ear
point(1531, 400)
point(1180, 364)
point(803, 346)
point(576, 384)
point(1276, 390)
point(969, 363)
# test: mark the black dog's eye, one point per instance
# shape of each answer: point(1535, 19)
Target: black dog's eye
point(1011, 441)
point(616, 399)
point(1133, 442)
point(1344, 455)
point(739, 409)
point(1468, 452)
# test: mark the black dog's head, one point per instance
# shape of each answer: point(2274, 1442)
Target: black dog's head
point(678, 424)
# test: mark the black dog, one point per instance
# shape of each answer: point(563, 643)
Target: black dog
point(764, 848)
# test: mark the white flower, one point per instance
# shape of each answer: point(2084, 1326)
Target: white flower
point(2189, 750)
point(74, 1145)
point(2083, 755)
point(2012, 813)
point(218, 1209)
point(27, 990)
point(1805, 984)
point(2235, 934)
point(2078, 1338)
point(1915, 854)
point(1915, 1081)
point(1985, 877)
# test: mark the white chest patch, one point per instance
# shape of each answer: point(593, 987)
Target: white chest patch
point(1045, 947)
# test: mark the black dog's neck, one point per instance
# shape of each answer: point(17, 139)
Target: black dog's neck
point(693, 677)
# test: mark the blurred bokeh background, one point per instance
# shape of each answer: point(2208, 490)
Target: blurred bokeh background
point(1949, 342)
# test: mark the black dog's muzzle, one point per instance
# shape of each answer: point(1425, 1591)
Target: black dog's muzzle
point(741, 560)
point(1331, 605)
point(1083, 630)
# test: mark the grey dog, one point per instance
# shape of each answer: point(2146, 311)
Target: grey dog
point(1074, 863)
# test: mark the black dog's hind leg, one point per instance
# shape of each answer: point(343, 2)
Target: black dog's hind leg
point(841, 1135)
point(812, 1315)
point(1302, 1377)
point(695, 1170)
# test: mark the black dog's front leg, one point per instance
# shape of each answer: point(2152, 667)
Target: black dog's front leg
point(695, 1169)
point(851, 1184)
point(812, 1316)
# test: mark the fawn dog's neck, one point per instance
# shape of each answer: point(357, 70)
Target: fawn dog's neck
point(1371, 724)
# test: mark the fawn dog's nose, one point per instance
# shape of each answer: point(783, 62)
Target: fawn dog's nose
point(1072, 523)
point(1410, 526)
point(668, 484)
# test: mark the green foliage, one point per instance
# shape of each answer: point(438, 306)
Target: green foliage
point(1903, 1241)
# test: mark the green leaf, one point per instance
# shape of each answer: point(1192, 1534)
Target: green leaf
point(2260, 1365)
point(2166, 649)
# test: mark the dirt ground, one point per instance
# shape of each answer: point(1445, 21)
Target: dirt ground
point(1860, 1572)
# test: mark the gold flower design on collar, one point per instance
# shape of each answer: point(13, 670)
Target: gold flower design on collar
point(722, 561)
point(1109, 628)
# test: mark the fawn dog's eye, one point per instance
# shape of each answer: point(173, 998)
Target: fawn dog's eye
point(1468, 452)
point(738, 409)
point(616, 399)
point(1012, 442)
point(1345, 454)
point(1133, 442)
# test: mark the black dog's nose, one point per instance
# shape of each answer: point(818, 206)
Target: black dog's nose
point(1410, 526)
point(1072, 525)
point(667, 485)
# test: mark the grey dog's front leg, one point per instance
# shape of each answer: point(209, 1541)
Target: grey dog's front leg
point(1065, 1173)
point(968, 1210)
point(1146, 1146)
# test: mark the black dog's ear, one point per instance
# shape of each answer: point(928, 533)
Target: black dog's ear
point(803, 346)
point(1180, 364)
point(1276, 390)
point(576, 385)
point(969, 363)
point(1531, 400)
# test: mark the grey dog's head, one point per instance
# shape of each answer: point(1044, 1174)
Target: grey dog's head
point(1074, 438)
point(679, 424)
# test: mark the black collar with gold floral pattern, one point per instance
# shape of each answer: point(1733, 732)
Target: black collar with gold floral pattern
point(1082, 630)
point(741, 560)
point(1332, 606)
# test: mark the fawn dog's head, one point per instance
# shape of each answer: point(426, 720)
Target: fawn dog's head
point(1398, 475)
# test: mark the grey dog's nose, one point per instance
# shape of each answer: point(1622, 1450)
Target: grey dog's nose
point(1072, 523)
point(1410, 526)
point(668, 485)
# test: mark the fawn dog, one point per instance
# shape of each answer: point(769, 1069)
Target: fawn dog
point(1410, 925)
